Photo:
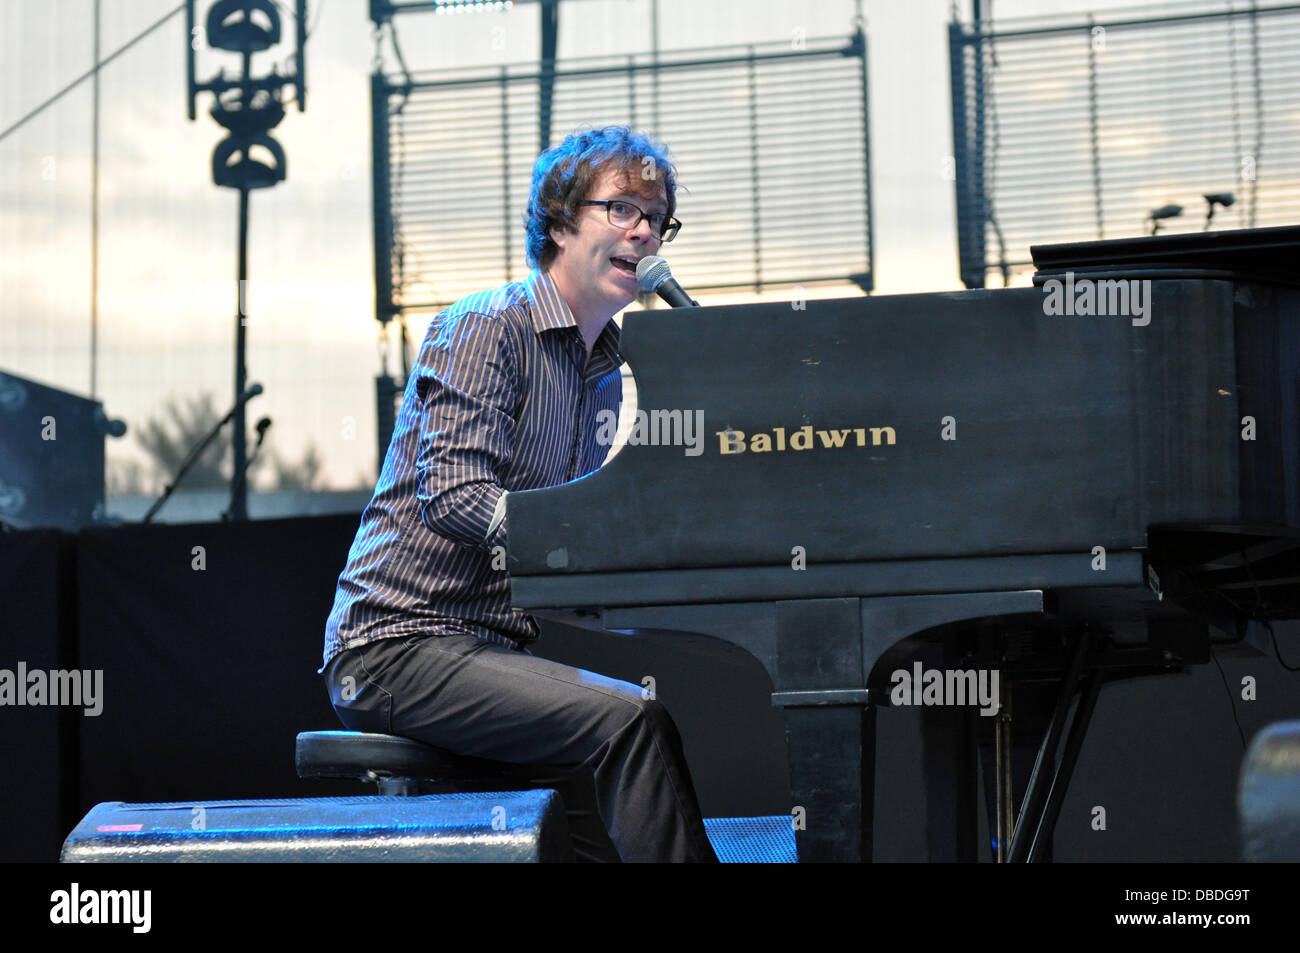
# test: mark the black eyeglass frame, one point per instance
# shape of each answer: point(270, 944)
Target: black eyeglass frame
point(670, 228)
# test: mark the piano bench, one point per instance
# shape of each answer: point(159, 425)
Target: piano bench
point(399, 765)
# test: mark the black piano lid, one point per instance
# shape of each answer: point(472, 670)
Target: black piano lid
point(1261, 254)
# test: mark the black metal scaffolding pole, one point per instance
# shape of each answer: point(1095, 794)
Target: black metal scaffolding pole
point(238, 482)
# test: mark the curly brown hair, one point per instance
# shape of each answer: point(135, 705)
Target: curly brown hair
point(563, 175)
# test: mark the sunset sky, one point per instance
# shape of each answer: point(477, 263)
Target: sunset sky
point(167, 234)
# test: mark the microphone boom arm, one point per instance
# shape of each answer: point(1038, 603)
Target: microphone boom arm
point(197, 452)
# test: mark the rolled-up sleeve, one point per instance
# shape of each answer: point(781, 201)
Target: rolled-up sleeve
point(469, 390)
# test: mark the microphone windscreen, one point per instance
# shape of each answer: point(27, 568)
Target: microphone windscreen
point(651, 271)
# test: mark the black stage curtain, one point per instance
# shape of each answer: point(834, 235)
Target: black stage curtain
point(37, 743)
point(209, 636)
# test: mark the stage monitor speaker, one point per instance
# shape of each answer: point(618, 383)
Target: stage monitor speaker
point(498, 827)
point(51, 456)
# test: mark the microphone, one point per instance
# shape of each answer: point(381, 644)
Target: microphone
point(653, 274)
point(1157, 215)
point(114, 428)
point(263, 426)
point(1216, 198)
point(249, 394)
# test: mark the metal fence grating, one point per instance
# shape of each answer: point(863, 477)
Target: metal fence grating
point(1075, 130)
point(771, 145)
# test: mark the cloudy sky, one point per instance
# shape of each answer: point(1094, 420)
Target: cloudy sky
point(167, 234)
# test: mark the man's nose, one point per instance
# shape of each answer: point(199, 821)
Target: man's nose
point(643, 230)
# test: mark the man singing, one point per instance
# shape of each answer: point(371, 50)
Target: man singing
point(505, 396)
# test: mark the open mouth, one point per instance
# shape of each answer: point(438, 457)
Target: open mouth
point(624, 264)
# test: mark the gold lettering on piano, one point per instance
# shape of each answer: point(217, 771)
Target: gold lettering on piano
point(731, 441)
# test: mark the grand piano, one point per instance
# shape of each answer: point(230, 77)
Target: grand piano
point(1014, 481)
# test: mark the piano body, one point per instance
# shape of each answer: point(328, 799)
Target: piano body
point(966, 479)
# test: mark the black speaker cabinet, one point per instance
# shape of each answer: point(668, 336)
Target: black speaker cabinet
point(51, 456)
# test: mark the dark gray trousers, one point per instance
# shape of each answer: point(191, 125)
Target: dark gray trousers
point(472, 697)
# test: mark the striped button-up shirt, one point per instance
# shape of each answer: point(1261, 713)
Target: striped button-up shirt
point(502, 398)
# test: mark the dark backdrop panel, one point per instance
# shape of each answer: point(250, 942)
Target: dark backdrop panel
point(1164, 755)
point(37, 744)
point(208, 673)
point(720, 699)
point(1162, 758)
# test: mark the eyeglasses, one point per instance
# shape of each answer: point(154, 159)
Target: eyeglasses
point(626, 215)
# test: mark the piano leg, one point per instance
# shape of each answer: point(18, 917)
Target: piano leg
point(951, 784)
point(832, 779)
point(1005, 789)
point(1041, 846)
point(830, 728)
point(1032, 838)
point(1008, 749)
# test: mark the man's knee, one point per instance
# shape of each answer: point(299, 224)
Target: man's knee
point(649, 715)
point(619, 707)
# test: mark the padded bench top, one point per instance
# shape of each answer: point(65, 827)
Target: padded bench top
point(358, 754)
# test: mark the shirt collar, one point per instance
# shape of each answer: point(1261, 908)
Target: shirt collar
point(550, 311)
